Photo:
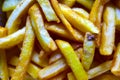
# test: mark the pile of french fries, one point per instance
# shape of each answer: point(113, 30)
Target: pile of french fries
point(60, 40)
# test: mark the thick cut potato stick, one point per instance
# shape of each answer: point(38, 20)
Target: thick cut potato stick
point(26, 53)
point(108, 30)
point(116, 62)
point(63, 19)
point(72, 60)
point(88, 50)
point(43, 37)
point(59, 29)
point(81, 12)
point(53, 69)
point(42, 62)
point(87, 3)
point(77, 21)
point(70, 76)
point(100, 69)
point(14, 20)
point(69, 3)
point(48, 11)
point(12, 39)
point(10, 5)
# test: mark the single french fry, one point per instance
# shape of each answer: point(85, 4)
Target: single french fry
point(57, 9)
point(81, 12)
point(108, 30)
point(14, 20)
point(26, 52)
point(88, 50)
point(9, 5)
point(48, 10)
point(69, 3)
point(59, 29)
point(115, 69)
point(72, 60)
point(70, 76)
point(46, 42)
point(100, 69)
point(53, 69)
point(42, 62)
point(3, 60)
point(79, 52)
point(12, 39)
point(87, 3)
point(77, 21)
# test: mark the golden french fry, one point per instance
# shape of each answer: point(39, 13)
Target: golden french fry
point(48, 11)
point(81, 12)
point(3, 31)
point(69, 3)
point(72, 60)
point(26, 52)
point(116, 62)
point(57, 9)
point(100, 69)
point(87, 3)
point(43, 37)
point(88, 50)
point(59, 29)
point(77, 21)
point(12, 39)
point(14, 20)
point(10, 5)
point(53, 69)
point(108, 30)
point(71, 76)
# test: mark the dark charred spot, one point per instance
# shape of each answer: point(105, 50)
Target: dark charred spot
point(90, 37)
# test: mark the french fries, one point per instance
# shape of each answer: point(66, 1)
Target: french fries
point(70, 76)
point(26, 52)
point(43, 37)
point(69, 3)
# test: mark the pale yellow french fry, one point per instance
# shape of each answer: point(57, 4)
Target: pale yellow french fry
point(15, 18)
point(79, 52)
point(88, 50)
point(72, 60)
point(53, 69)
point(46, 42)
point(57, 9)
point(3, 60)
point(77, 21)
point(48, 10)
point(69, 3)
point(87, 3)
point(10, 5)
point(26, 53)
point(81, 12)
point(12, 39)
point(108, 30)
point(42, 62)
point(71, 76)
point(115, 69)
point(100, 69)
point(59, 29)
point(11, 71)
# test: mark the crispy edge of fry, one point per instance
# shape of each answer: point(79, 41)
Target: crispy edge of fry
point(81, 12)
point(82, 24)
point(59, 29)
point(72, 60)
point(46, 42)
point(48, 10)
point(117, 12)
point(108, 30)
point(88, 50)
point(98, 70)
point(26, 52)
point(53, 69)
point(12, 39)
point(116, 62)
point(14, 19)
point(71, 76)
point(58, 11)
point(87, 3)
